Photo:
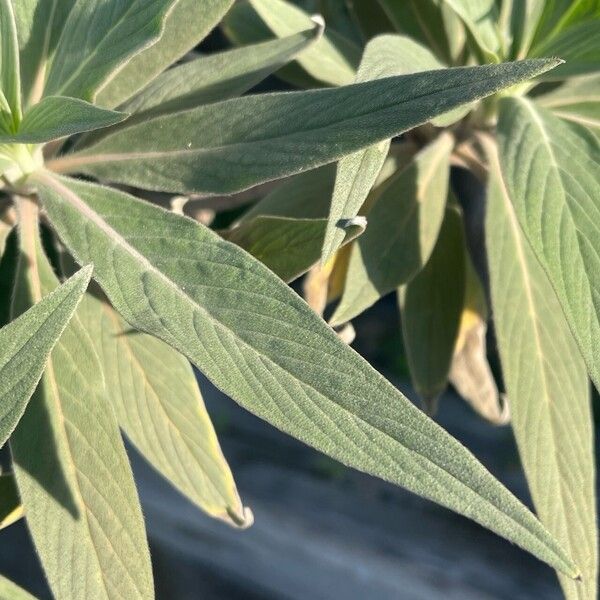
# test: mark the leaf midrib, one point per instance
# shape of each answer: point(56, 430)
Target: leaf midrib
point(518, 241)
point(51, 181)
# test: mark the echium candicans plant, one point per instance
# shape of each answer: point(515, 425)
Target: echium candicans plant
point(112, 297)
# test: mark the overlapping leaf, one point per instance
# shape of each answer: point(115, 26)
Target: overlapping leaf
point(25, 345)
point(11, 591)
point(332, 60)
point(402, 229)
point(188, 22)
point(263, 346)
point(552, 173)
point(157, 402)
point(72, 471)
point(56, 117)
point(577, 100)
point(548, 388)
point(431, 306)
point(10, 83)
point(233, 145)
point(11, 509)
point(97, 38)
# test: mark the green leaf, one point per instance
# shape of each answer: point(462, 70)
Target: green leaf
point(25, 345)
point(332, 60)
point(289, 247)
point(578, 45)
point(547, 384)
point(303, 196)
point(57, 117)
point(256, 340)
point(524, 17)
point(73, 475)
point(11, 591)
point(384, 56)
point(10, 83)
point(186, 25)
point(431, 306)
point(217, 76)
point(425, 22)
point(157, 402)
point(552, 174)
point(39, 26)
point(11, 509)
point(480, 18)
point(403, 226)
point(577, 100)
point(98, 38)
point(233, 145)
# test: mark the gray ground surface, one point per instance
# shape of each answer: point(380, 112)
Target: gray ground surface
point(322, 531)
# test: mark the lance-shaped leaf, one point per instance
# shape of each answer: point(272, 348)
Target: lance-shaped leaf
point(402, 229)
point(97, 39)
point(260, 343)
point(11, 509)
point(548, 387)
point(233, 145)
point(10, 83)
point(158, 405)
point(57, 117)
point(25, 345)
point(332, 60)
point(577, 100)
point(11, 591)
point(289, 247)
point(72, 471)
point(431, 306)
point(522, 18)
point(187, 23)
point(39, 27)
point(552, 173)
point(384, 56)
point(217, 76)
point(480, 18)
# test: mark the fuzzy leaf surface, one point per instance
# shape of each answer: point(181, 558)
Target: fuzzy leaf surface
point(402, 229)
point(552, 174)
point(547, 385)
point(431, 306)
point(158, 405)
point(72, 471)
point(56, 117)
point(233, 145)
point(186, 25)
point(256, 340)
point(25, 345)
point(98, 37)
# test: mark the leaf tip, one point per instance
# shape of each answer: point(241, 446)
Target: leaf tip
point(319, 22)
point(241, 519)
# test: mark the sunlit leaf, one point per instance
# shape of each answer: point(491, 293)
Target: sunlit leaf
point(73, 475)
point(402, 228)
point(56, 117)
point(188, 22)
point(256, 340)
point(233, 145)
point(578, 100)
point(10, 83)
point(98, 38)
point(157, 402)
point(548, 388)
point(11, 509)
point(552, 173)
point(11, 591)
